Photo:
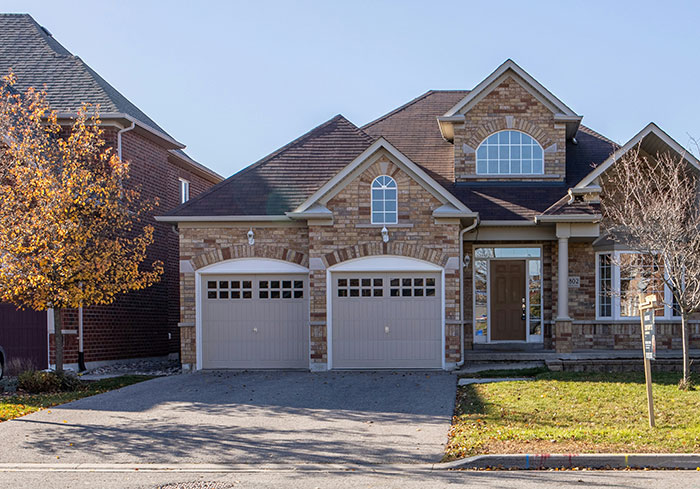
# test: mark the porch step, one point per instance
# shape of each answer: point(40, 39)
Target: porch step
point(472, 368)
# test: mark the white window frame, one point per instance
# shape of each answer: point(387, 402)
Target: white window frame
point(615, 292)
point(396, 201)
point(184, 187)
point(508, 174)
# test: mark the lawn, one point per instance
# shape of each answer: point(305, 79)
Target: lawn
point(561, 412)
point(16, 405)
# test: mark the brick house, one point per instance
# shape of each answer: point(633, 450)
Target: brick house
point(462, 220)
point(139, 324)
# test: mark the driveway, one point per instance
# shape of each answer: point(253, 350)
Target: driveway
point(246, 417)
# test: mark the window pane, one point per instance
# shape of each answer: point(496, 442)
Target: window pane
point(377, 194)
point(378, 205)
point(390, 194)
point(536, 166)
point(378, 217)
point(493, 166)
point(481, 166)
point(390, 218)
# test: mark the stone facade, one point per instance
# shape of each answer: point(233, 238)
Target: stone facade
point(510, 106)
point(351, 236)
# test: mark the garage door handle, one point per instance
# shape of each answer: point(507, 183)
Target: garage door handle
point(386, 329)
point(255, 330)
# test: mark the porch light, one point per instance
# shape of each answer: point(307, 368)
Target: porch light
point(251, 237)
point(385, 234)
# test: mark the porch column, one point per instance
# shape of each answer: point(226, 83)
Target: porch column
point(563, 332)
point(563, 295)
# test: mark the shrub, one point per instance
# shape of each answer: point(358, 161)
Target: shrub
point(39, 381)
point(18, 365)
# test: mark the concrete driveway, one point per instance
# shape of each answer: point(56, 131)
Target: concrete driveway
point(246, 417)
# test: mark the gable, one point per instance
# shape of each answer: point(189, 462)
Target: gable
point(381, 149)
point(651, 140)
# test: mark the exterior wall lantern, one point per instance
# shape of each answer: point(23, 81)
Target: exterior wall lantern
point(251, 237)
point(385, 234)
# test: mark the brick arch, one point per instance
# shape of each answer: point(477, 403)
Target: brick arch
point(248, 251)
point(378, 248)
point(501, 124)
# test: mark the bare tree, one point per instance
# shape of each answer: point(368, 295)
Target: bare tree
point(651, 206)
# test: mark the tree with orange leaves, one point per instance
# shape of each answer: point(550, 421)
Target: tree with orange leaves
point(71, 229)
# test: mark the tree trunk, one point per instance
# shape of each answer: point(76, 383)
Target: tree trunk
point(686, 359)
point(58, 338)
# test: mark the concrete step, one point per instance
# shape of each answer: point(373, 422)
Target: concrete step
point(472, 368)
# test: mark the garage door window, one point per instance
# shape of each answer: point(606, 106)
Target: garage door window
point(360, 287)
point(233, 289)
point(281, 289)
point(412, 287)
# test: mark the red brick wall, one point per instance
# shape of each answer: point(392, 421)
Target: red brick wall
point(142, 323)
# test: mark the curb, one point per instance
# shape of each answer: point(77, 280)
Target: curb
point(675, 461)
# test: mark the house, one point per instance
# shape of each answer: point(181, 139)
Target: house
point(139, 324)
point(462, 220)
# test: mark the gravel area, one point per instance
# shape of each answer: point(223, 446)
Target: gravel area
point(135, 367)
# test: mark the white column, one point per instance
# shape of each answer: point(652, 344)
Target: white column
point(563, 295)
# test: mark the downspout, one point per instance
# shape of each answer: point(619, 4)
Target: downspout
point(119, 138)
point(81, 351)
point(464, 231)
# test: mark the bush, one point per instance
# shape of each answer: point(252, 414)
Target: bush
point(18, 365)
point(36, 382)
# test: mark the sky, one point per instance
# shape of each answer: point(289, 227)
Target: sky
point(236, 80)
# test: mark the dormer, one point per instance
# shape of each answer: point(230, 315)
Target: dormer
point(509, 128)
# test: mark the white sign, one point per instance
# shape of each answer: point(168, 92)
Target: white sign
point(574, 282)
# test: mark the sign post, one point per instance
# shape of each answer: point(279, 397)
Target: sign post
point(647, 306)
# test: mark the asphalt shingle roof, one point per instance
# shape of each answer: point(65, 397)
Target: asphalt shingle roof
point(40, 61)
point(284, 179)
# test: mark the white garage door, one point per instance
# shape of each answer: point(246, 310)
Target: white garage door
point(387, 320)
point(255, 321)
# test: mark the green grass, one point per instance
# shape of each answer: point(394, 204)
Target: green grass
point(575, 413)
point(16, 405)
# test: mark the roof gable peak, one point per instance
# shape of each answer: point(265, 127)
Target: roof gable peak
point(510, 69)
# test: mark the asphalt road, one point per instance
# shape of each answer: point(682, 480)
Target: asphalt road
point(248, 418)
point(377, 478)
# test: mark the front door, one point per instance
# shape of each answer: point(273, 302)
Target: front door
point(508, 306)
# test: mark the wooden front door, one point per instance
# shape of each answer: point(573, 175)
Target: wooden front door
point(508, 309)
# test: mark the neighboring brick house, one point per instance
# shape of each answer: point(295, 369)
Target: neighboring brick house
point(462, 220)
point(138, 324)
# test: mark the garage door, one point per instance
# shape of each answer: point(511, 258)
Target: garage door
point(255, 321)
point(387, 320)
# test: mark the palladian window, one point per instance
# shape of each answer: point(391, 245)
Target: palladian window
point(509, 153)
point(384, 198)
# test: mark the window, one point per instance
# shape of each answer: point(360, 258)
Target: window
point(229, 289)
point(509, 153)
point(412, 287)
point(384, 200)
point(281, 289)
point(360, 287)
point(184, 190)
point(621, 277)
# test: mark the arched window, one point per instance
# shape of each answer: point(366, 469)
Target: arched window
point(384, 200)
point(509, 153)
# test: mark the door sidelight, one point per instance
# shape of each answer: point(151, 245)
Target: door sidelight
point(523, 305)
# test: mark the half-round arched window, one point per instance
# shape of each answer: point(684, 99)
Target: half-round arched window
point(384, 200)
point(509, 153)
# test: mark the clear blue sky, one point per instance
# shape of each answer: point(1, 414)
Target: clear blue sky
point(236, 80)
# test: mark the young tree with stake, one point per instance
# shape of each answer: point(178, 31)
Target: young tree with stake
point(71, 228)
point(650, 205)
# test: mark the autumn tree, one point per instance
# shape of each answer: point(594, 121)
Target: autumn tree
point(71, 228)
point(651, 206)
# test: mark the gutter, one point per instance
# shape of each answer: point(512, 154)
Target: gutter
point(177, 219)
point(461, 285)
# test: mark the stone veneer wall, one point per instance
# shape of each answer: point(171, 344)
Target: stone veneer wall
point(352, 236)
point(320, 246)
point(510, 106)
point(203, 244)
